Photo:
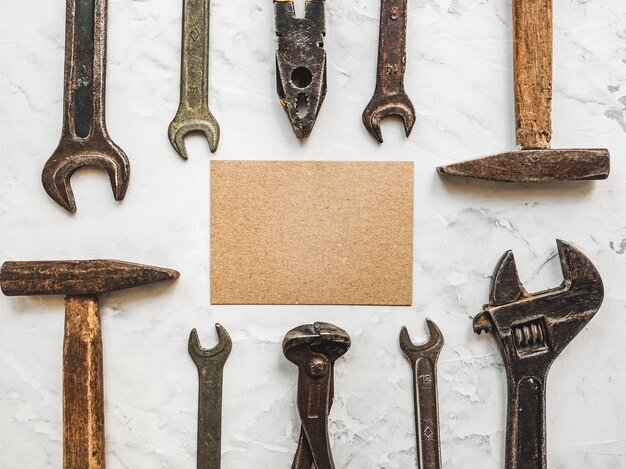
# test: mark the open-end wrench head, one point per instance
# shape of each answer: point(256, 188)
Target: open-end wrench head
point(433, 345)
point(184, 124)
point(380, 107)
point(320, 337)
point(532, 320)
point(217, 354)
point(72, 155)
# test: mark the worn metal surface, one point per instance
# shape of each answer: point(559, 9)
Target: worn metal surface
point(314, 348)
point(210, 363)
point(532, 330)
point(423, 359)
point(84, 138)
point(193, 111)
point(389, 96)
point(83, 391)
point(301, 62)
point(534, 161)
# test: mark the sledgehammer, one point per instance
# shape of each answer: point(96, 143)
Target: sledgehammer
point(83, 393)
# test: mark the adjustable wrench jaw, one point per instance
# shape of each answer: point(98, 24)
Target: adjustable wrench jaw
point(301, 62)
point(314, 349)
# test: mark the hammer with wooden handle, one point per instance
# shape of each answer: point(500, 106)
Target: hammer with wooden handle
point(83, 393)
point(535, 161)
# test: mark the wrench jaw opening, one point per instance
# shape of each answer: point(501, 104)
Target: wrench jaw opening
point(184, 124)
point(380, 107)
point(301, 64)
point(201, 355)
point(74, 154)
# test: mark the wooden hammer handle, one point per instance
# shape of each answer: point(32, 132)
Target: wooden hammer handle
point(532, 61)
point(83, 393)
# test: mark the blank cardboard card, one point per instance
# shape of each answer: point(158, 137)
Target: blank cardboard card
point(311, 232)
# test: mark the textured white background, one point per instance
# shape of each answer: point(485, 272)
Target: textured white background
point(459, 76)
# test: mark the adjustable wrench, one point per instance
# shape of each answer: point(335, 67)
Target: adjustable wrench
point(84, 138)
point(389, 96)
point(314, 348)
point(532, 330)
point(423, 359)
point(193, 111)
point(210, 363)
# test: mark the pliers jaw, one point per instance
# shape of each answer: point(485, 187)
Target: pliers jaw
point(314, 349)
point(301, 63)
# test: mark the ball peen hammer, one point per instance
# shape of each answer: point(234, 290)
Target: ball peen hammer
point(83, 392)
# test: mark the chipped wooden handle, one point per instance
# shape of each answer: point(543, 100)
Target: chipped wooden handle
point(532, 61)
point(83, 406)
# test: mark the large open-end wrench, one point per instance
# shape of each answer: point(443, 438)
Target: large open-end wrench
point(84, 138)
point(193, 111)
point(210, 363)
point(532, 330)
point(423, 359)
point(389, 96)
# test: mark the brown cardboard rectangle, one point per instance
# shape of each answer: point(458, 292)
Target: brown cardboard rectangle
point(311, 232)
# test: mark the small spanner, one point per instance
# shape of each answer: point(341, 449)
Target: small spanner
point(210, 363)
point(423, 359)
point(193, 111)
point(314, 348)
point(389, 96)
point(84, 138)
point(532, 330)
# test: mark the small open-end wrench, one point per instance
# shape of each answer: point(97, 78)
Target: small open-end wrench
point(301, 62)
point(532, 330)
point(314, 348)
point(389, 96)
point(210, 363)
point(193, 111)
point(84, 138)
point(423, 359)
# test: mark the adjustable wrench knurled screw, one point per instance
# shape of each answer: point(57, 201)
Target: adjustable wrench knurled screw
point(423, 359)
point(193, 113)
point(532, 330)
point(84, 138)
point(314, 349)
point(210, 363)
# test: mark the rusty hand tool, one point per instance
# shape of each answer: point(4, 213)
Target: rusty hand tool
point(532, 330)
point(535, 161)
point(84, 138)
point(389, 96)
point(193, 111)
point(423, 359)
point(314, 348)
point(83, 394)
point(210, 363)
point(301, 62)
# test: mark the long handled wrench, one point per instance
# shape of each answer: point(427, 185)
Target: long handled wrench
point(193, 111)
point(423, 359)
point(210, 363)
point(84, 138)
point(389, 96)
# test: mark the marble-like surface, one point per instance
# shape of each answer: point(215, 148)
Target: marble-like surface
point(459, 76)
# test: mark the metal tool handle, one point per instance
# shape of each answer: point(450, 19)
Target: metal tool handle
point(195, 55)
point(532, 61)
point(526, 426)
point(83, 393)
point(426, 413)
point(85, 65)
point(392, 39)
point(210, 418)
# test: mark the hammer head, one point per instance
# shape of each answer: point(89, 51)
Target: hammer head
point(543, 323)
point(535, 165)
point(77, 277)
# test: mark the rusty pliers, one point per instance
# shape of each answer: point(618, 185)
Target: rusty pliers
point(314, 349)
